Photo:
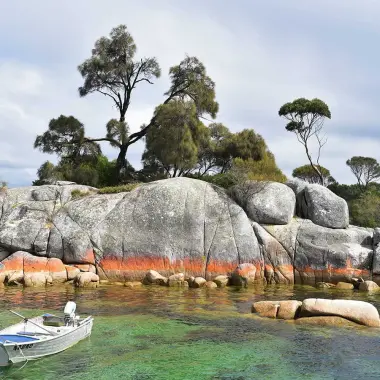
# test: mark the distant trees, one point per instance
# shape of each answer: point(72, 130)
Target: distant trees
point(365, 210)
point(308, 174)
point(365, 169)
point(305, 119)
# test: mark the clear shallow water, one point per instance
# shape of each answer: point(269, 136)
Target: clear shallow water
point(162, 333)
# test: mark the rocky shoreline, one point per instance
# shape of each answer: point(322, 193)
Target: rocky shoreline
point(260, 233)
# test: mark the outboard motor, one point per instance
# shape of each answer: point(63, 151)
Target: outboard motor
point(69, 313)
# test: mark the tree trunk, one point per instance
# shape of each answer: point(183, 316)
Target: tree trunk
point(121, 162)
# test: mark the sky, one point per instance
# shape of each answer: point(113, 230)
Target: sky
point(260, 53)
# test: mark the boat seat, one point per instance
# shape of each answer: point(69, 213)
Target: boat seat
point(16, 338)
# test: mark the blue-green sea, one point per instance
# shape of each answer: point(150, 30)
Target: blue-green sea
point(163, 333)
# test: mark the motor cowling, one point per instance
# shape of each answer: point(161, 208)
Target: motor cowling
point(69, 312)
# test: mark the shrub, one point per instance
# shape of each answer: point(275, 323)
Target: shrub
point(119, 189)
point(365, 211)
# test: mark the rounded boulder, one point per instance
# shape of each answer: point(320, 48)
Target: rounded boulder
point(266, 202)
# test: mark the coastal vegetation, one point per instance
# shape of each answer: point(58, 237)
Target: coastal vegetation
point(180, 139)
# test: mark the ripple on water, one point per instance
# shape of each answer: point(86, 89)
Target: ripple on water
point(162, 333)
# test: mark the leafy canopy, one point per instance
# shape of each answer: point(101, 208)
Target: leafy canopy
point(365, 169)
point(308, 174)
point(303, 114)
point(112, 71)
point(173, 144)
point(66, 137)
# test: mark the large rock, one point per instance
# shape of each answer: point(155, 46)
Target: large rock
point(358, 311)
point(266, 202)
point(179, 225)
point(321, 254)
point(324, 208)
point(127, 234)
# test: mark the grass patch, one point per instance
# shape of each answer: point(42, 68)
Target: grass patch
point(119, 189)
point(75, 194)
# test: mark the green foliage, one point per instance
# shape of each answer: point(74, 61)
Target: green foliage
point(173, 143)
point(257, 170)
point(365, 211)
point(305, 118)
point(97, 172)
point(47, 173)
point(3, 185)
point(225, 180)
point(365, 169)
point(112, 70)
point(308, 174)
point(66, 137)
point(117, 132)
point(214, 152)
point(189, 81)
point(119, 189)
point(302, 113)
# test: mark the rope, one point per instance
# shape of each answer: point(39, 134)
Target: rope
point(25, 358)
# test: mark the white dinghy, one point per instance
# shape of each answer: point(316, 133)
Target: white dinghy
point(41, 336)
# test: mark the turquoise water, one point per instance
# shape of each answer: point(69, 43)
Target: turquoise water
point(162, 333)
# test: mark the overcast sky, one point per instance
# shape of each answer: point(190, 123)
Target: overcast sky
point(261, 54)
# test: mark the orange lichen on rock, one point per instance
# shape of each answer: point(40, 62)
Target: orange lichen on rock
point(135, 267)
point(89, 257)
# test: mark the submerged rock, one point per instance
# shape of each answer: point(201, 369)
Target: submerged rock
point(344, 286)
point(326, 321)
point(133, 284)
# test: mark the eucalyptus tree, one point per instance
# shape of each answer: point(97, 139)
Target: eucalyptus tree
point(113, 71)
point(305, 119)
point(365, 169)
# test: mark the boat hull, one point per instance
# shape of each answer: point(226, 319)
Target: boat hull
point(16, 353)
